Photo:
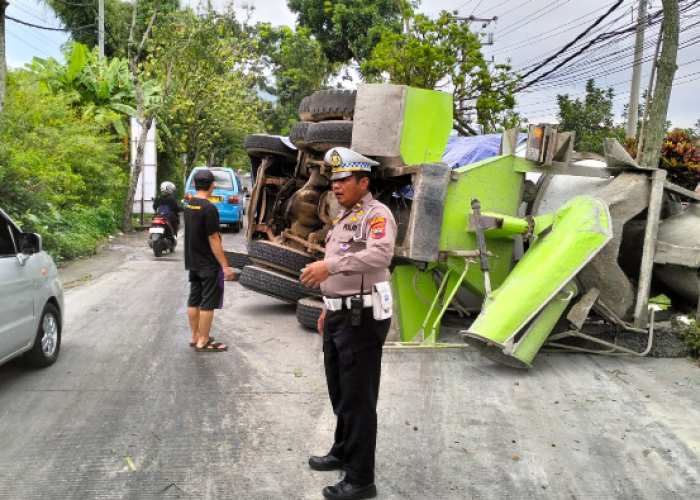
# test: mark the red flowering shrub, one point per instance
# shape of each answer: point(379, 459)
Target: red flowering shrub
point(681, 159)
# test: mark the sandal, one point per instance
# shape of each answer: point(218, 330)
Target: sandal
point(194, 344)
point(211, 346)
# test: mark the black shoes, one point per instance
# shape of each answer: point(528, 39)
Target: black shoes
point(328, 462)
point(346, 491)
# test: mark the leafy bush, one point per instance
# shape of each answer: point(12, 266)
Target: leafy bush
point(690, 335)
point(73, 232)
point(681, 159)
point(61, 175)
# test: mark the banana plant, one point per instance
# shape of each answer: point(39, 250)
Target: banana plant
point(104, 88)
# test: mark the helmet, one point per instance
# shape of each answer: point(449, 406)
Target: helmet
point(167, 187)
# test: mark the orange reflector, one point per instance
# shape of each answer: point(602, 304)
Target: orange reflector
point(43, 271)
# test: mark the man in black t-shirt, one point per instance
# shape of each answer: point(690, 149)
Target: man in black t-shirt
point(206, 262)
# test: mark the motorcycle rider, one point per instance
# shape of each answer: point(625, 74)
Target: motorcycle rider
point(167, 206)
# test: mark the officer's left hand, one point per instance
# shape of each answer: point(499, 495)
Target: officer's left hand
point(315, 274)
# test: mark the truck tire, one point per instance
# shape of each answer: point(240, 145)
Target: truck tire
point(271, 283)
point(308, 312)
point(263, 145)
point(310, 291)
point(237, 259)
point(332, 104)
point(283, 258)
point(304, 113)
point(326, 135)
point(298, 134)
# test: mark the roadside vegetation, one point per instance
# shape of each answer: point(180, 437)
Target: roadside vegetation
point(209, 79)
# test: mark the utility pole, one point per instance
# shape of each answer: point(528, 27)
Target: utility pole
point(656, 128)
point(485, 22)
point(632, 112)
point(101, 27)
point(3, 63)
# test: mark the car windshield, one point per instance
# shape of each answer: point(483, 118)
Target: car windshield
point(223, 180)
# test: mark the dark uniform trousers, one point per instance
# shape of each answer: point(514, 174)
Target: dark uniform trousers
point(353, 361)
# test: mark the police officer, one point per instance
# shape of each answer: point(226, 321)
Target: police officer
point(359, 248)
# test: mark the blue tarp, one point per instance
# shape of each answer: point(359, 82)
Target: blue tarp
point(461, 151)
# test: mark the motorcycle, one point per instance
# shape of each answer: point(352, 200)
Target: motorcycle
point(161, 236)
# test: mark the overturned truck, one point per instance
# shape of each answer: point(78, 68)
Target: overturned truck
point(527, 246)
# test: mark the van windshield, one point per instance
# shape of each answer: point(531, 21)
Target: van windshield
point(223, 180)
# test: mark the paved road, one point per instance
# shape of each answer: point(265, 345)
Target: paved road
point(241, 424)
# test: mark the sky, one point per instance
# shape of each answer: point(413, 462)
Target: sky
point(525, 32)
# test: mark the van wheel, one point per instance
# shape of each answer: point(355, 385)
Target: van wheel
point(237, 226)
point(48, 339)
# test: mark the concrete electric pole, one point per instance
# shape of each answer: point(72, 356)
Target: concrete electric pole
point(101, 27)
point(633, 111)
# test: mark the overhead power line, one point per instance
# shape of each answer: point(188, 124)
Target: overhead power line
point(569, 45)
point(524, 21)
point(557, 31)
point(607, 50)
point(48, 28)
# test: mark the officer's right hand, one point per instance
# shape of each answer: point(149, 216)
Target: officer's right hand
point(321, 321)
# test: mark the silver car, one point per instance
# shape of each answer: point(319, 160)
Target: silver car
point(31, 298)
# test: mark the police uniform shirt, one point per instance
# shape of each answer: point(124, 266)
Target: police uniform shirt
point(359, 245)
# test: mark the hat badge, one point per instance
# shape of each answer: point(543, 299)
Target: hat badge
point(335, 159)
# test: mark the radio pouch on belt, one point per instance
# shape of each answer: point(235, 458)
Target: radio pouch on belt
point(356, 306)
point(382, 301)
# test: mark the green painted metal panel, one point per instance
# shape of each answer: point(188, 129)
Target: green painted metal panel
point(581, 229)
point(527, 347)
point(425, 110)
point(411, 310)
point(499, 189)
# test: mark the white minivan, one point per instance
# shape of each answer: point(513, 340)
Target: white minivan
point(31, 298)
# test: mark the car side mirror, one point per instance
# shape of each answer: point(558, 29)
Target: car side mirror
point(30, 243)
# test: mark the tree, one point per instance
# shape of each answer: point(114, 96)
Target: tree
point(591, 119)
point(104, 87)
point(348, 29)
point(656, 128)
point(3, 62)
point(695, 131)
point(441, 54)
point(210, 66)
point(144, 113)
point(82, 21)
point(61, 174)
point(296, 66)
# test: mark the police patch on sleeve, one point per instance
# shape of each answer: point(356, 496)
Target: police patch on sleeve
point(378, 228)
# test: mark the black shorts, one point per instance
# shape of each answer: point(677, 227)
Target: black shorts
point(206, 290)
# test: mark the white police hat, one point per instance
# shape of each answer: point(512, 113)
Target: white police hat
point(346, 162)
